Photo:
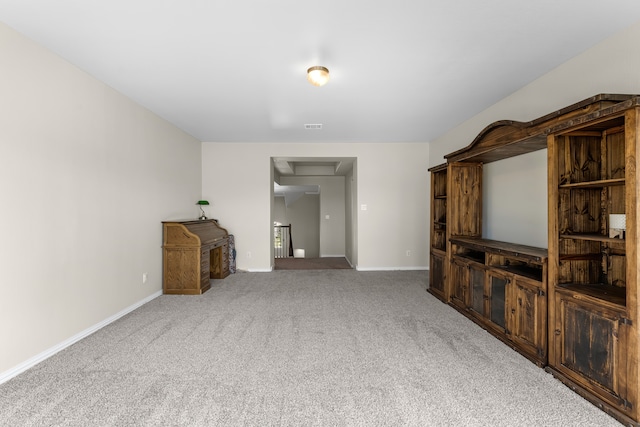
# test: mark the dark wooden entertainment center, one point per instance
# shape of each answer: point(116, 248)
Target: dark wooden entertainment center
point(572, 308)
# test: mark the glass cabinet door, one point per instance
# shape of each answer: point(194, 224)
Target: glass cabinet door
point(476, 283)
point(497, 298)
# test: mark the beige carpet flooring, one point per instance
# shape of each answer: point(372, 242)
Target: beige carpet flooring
point(294, 348)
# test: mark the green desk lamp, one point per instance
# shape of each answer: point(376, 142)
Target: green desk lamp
point(202, 203)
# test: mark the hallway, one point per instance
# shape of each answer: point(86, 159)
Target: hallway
point(326, 263)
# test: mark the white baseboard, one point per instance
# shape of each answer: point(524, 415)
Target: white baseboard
point(7, 375)
point(420, 268)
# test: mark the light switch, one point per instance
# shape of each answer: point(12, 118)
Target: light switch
point(363, 207)
point(327, 217)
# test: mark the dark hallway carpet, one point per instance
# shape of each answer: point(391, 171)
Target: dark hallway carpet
point(327, 263)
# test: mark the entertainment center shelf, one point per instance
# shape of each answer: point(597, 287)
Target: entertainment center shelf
point(526, 261)
point(592, 237)
point(572, 308)
point(599, 292)
point(594, 184)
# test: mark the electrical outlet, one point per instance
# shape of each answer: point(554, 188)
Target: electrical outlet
point(408, 252)
point(249, 254)
point(144, 277)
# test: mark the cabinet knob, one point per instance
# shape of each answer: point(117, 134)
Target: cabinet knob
point(557, 331)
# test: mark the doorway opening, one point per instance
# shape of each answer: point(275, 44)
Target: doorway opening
point(313, 215)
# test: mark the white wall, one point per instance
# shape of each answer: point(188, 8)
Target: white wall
point(351, 215)
point(505, 183)
point(609, 67)
point(280, 211)
point(332, 203)
point(304, 216)
point(392, 180)
point(86, 179)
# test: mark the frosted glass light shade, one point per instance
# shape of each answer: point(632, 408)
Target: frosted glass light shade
point(318, 75)
point(618, 221)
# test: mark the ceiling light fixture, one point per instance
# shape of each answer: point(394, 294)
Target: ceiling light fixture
point(318, 75)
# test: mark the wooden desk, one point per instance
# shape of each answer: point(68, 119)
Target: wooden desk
point(193, 253)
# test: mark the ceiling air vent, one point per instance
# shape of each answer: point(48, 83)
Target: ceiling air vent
point(313, 126)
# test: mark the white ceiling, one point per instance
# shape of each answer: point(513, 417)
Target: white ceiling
point(401, 70)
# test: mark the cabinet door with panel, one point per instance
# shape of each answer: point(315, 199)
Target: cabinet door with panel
point(437, 275)
point(527, 315)
point(459, 283)
point(590, 347)
point(179, 275)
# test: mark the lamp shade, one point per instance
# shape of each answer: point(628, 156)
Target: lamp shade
point(318, 75)
point(618, 221)
point(202, 202)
